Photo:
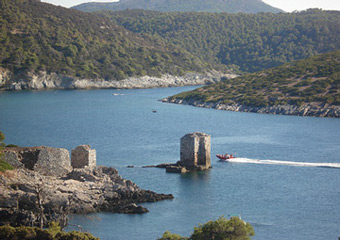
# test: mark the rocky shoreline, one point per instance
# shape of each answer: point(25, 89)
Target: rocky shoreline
point(45, 81)
point(311, 110)
point(29, 195)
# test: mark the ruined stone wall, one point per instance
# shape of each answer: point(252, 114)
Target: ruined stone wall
point(45, 160)
point(189, 150)
point(83, 156)
point(204, 151)
point(195, 150)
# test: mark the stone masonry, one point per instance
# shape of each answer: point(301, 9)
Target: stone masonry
point(45, 160)
point(195, 151)
point(83, 156)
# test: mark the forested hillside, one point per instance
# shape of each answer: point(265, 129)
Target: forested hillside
point(231, 6)
point(252, 42)
point(315, 80)
point(36, 36)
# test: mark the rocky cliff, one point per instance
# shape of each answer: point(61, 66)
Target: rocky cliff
point(80, 191)
point(44, 81)
point(312, 110)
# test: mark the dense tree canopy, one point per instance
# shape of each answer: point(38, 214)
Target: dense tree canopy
point(231, 6)
point(36, 36)
point(251, 42)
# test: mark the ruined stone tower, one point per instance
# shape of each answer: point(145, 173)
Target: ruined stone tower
point(83, 156)
point(195, 151)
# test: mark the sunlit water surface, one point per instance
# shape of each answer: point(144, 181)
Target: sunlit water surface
point(277, 183)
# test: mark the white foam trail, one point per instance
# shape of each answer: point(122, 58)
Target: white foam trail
point(277, 162)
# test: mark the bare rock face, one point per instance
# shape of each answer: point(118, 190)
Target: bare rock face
point(83, 156)
point(45, 160)
point(307, 109)
point(45, 188)
point(81, 191)
point(43, 80)
point(195, 151)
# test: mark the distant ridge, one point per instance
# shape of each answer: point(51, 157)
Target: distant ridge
point(230, 6)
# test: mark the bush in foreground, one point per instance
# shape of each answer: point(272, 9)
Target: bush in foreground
point(3, 165)
point(221, 229)
point(54, 232)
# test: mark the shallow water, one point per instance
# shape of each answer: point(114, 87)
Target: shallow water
point(279, 186)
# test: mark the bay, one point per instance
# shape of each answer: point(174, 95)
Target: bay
point(281, 201)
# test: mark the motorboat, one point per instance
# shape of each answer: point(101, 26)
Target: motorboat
point(224, 157)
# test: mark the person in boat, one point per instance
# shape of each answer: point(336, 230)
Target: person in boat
point(226, 155)
point(231, 156)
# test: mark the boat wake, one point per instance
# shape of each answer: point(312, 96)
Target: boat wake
point(288, 163)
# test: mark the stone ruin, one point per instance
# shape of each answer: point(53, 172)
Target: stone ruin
point(194, 153)
point(45, 160)
point(195, 150)
point(50, 161)
point(83, 157)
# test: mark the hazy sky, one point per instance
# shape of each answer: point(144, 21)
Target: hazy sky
point(287, 5)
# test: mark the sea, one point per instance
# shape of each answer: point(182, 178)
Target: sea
point(285, 182)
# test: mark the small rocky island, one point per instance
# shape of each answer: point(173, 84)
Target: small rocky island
point(47, 186)
point(195, 154)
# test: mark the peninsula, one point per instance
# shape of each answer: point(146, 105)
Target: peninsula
point(309, 87)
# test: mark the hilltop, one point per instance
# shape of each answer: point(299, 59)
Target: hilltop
point(309, 87)
point(231, 6)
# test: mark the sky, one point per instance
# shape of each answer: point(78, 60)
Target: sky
point(286, 5)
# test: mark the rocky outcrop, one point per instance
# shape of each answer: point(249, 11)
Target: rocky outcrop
point(44, 160)
point(43, 81)
point(312, 110)
point(34, 81)
point(80, 191)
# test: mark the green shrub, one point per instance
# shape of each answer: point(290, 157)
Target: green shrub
point(11, 145)
point(224, 229)
point(5, 166)
point(170, 236)
point(34, 233)
point(221, 229)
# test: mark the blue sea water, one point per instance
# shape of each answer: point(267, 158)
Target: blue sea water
point(280, 201)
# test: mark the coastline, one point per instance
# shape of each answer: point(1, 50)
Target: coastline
point(52, 81)
point(47, 186)
point(79, 192)
point(310, 110)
